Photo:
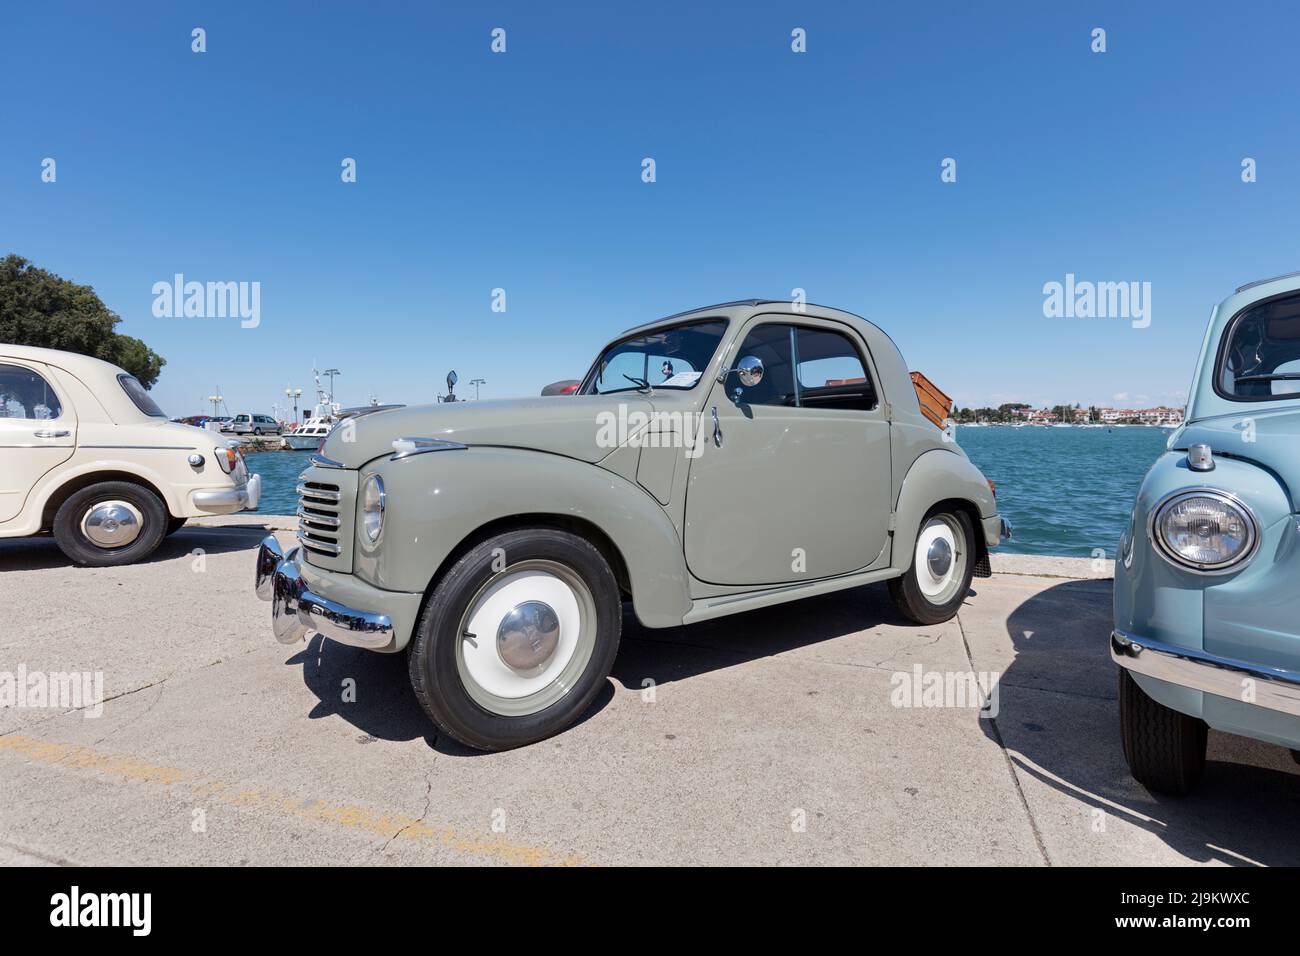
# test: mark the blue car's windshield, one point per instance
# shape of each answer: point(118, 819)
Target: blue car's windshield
point(673, 357)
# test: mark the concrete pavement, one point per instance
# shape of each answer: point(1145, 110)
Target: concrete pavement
point(771, 737)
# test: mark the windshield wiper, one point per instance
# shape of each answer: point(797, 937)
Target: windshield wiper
point(1274, 377)
point(642, 385)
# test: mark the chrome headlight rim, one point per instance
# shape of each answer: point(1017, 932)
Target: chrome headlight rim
point(376, 507)
point(1230, 566)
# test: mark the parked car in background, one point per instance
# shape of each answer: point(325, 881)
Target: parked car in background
point(249, 424)
point(497, 539)
point(565, 386)
point(86, 455)
point(1207, 606)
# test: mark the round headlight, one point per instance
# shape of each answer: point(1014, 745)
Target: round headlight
point(1205, 530)
point(372, 508)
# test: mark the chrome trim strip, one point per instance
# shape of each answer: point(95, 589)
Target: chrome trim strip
point(1158, 544)
point(323, 520)
point(318, 459)
point(321, 495)
point(296, 611)
point(1259, 282)
point(1274, 688)
point(409, 447)
point(314, 544)
point(146, 447)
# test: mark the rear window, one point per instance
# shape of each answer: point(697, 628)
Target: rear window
point(1260, 357)
point(140, 395)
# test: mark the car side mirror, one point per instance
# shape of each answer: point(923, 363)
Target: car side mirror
point(750, 371)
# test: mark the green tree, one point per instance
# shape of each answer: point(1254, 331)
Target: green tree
point(42, 309)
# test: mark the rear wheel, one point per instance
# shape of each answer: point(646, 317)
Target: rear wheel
point(517, 639)
point(934, 585)
point(1165, 749)
point(110, 523)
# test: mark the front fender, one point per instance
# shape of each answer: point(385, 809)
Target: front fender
point(435, 501)
point(937, 475)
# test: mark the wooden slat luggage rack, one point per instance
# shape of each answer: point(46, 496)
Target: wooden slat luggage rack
point(935, 405)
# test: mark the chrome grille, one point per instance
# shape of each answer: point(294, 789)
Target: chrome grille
point(327, 506)
point(318, 517)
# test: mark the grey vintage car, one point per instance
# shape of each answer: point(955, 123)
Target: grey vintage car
point(714, 462)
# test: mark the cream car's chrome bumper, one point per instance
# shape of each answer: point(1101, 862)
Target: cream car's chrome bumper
point(224, 501)
point(1273, 688)
point(297, 612)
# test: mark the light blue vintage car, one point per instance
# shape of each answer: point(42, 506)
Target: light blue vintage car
point(1207, 581)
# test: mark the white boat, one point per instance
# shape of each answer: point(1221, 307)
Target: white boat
point(309, 435)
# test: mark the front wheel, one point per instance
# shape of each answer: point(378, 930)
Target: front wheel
point(934, 585)
point(110, 523)
point(1165, 749)
point(517, 639)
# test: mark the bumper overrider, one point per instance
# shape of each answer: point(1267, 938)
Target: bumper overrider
point(297, 612)
point(225, 501)
point(1272, 688)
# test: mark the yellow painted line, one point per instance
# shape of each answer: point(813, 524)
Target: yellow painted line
point(354, 817)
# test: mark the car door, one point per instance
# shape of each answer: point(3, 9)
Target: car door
point(38, 432)
point(799, 487)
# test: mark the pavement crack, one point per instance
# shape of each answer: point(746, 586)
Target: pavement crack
point(428, 803)
point(1006, 756)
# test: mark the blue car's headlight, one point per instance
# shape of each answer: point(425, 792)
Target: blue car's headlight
point(1204, 530)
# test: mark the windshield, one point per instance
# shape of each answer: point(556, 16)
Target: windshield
point(674, 357)
point(140, 396)
point(1260, 359)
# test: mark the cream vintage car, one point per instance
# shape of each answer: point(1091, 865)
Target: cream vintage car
point(87, 455)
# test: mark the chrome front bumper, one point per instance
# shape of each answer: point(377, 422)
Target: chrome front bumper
point(1272, 689)
point(297, 612)
point(224, 501)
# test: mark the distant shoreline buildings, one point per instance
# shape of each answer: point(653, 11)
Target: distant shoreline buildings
point(1019, 413)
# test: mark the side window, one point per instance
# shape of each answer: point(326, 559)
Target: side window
point(24, 394)
point(1261, 355)
point(771, 344)
point(831, 372)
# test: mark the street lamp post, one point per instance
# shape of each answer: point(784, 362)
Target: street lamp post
point(331, 372)
point(476, 382)
point(216, 401)
point(295, 394)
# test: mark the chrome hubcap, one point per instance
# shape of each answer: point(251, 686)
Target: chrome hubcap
point(112, 524)
point(939, 557)
point(528, 636)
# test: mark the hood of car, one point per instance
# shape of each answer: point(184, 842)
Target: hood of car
point(1267, 437)
point(573, 426)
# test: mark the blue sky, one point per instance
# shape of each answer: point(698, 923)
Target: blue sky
point(775, 170)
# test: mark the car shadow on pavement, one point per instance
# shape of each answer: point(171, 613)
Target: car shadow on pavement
point(379, 701)
point(42, 554)
point(385, 707)
point(1058, 719)
point(679, 653)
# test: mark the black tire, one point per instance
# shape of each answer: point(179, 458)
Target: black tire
point(257, 432)
point(80, 549)
point(1165, 749)
point(433, 653)
point(174, 525)
point(911, 600)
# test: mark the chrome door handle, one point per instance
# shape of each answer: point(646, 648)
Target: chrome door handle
point(717, 428)
point(53, 433)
